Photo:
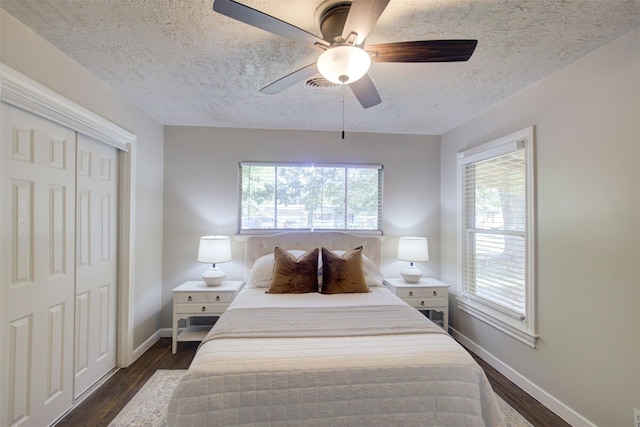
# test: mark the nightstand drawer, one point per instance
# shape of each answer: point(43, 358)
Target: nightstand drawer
point(220, 297)
point(195, 297)
point(204, 297)
point(431, 292)
point(201, 308)
point(431, 303)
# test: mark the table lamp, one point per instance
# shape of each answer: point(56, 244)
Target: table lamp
point(412, 249)
point(212, 250)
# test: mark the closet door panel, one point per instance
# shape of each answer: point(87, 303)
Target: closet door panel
point(96, 262)
point(37, 269)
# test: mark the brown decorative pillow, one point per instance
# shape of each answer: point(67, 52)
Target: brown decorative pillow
point(344, 273)
point(293, 275)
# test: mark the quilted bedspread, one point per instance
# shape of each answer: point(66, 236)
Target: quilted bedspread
point(260, 378)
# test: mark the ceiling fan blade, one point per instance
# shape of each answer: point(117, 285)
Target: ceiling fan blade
point(366, 92)
point(423, 51)
point(363, 15)
point(265, 22)
point(290, 79)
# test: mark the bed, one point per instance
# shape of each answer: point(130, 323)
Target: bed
point(354, 358)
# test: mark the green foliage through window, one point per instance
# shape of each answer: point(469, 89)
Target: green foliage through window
point(292, 196)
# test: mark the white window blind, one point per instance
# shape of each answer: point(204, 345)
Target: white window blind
point(277, 196)
point(496, 234)
point(495, 231)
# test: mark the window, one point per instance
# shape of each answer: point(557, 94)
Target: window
point(496, 237)
point(313, 197)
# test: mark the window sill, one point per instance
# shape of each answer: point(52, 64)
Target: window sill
point(505, 324)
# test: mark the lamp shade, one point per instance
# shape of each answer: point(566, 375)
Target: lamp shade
point(343, 64)
point(214, 249)
point(413, 249)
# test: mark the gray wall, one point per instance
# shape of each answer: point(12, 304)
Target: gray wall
point(587, 120)
point(201, 189)
point(26, 52)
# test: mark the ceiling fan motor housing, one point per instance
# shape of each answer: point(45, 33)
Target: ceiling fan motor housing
point(332, 20)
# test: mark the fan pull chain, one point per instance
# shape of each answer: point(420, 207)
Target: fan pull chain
point(343, 112)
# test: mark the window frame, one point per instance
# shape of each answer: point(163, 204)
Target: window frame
point(522, 328)
point(346, 166)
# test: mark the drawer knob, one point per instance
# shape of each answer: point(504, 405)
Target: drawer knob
point(217, 297)
point(422, 303)
point(435, 293)
point(189, 298)
point(204, 308)
point(410, 293)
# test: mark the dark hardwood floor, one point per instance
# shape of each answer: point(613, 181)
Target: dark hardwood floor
point(105, 403)
point(535, 412)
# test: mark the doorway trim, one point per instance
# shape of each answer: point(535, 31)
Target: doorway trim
point(20, 91)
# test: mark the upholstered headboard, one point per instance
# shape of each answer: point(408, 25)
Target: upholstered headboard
point(257, 246)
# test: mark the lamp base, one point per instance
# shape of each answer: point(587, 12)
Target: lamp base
point(213, 276)
point(411, 274)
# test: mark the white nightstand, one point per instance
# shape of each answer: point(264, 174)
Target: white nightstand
point(196, 299)
point(427, 294)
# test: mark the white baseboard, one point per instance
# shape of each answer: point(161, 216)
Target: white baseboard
point(167, 332)
point(557, 407)
point(149, 342)
point(146, 345)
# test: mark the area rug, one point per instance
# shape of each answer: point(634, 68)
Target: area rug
point(148, 407)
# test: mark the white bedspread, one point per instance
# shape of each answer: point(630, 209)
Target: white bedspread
point(420, 378)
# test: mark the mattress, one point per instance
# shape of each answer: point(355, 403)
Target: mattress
point(330, 360)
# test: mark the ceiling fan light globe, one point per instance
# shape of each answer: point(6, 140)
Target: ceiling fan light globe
point(343, 64)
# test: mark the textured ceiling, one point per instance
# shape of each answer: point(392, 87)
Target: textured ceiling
point(184, 64)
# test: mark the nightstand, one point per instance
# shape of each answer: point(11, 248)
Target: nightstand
point(196, 299)
point(427, 294)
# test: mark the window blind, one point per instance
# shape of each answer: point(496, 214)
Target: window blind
point(494, 241)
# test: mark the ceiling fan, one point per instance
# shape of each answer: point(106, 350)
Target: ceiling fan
point(346, 59)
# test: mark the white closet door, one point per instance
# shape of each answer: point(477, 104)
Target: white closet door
point(37, 269)
point(96, 262)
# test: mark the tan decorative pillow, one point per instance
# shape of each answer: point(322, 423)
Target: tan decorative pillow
point(344, 273)
point(293, 275)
